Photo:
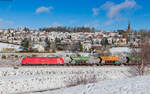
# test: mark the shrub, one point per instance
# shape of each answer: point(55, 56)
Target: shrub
point(34, 55)
point(53, 51)
point(81, 79)
point(16, 56)
point(3, 57)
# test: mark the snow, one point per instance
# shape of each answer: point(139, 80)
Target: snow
point(30, 79)
point(136, 85)
point(107, 70)
point(5, 45)
point(117, 50)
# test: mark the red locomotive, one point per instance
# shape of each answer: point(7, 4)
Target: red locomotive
point(42, 60)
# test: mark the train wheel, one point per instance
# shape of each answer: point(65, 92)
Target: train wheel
point(24, 64)
point(65, 64)
point(124, 64)
point(116, 64)
point(97, 64)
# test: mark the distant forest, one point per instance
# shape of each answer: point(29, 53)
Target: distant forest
point(67, 29)
point(84, 29)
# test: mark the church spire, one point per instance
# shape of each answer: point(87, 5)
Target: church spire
point(129, 28)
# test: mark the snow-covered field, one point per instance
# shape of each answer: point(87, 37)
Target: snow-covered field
point(119, 50)
point(28, 79)
point(5, 45)
point(137, 85)
point(32, 79)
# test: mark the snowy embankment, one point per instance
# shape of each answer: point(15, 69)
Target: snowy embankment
point(6, 45)
point(119, 50)
point(136, 85)
point(32, 79)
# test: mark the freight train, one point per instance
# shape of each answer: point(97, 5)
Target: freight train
point(76, 60)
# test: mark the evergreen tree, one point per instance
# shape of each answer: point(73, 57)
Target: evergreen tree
point(67, 29)
point(81, 47)
point(57, 40)
point(25, 44)
point(47, 43)
point(26, 29)
point(104, 42)
point(40, 40)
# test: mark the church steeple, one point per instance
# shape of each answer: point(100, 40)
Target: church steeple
point(129, 28)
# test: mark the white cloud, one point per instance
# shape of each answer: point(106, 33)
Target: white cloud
point(94, 24)
point(55, 24)
point(43, 9)
point(95, 11)
point(113, 10)
point(107, 5)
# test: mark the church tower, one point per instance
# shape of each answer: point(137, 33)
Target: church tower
point(129, 28)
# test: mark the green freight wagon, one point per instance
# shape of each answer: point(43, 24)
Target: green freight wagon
point(133, 60)
point(80, 59)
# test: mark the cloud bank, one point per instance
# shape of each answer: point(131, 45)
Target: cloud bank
point(113, 11)
point(43, 9)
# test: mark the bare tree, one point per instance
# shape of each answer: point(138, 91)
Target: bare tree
point(145, 57)
point(141, 56)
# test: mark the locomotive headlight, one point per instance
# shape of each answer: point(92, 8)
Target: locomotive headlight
point(58, 60)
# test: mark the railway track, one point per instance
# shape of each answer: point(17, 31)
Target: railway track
point(79, 64)
point(58, 65)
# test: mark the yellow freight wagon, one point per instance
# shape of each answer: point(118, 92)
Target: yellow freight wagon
point(109, 60)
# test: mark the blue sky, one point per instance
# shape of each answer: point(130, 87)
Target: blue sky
point(101, 14)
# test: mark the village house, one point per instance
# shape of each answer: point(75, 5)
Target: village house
point(86, 45)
